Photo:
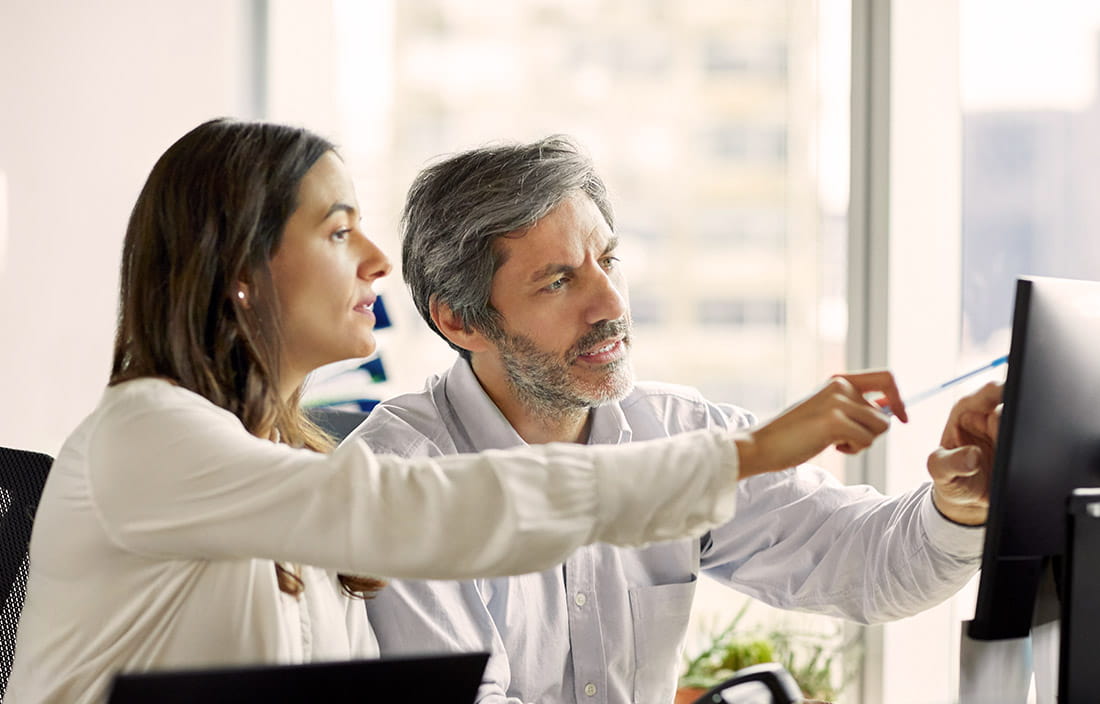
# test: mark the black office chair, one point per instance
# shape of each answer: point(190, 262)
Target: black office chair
point(750, 683)
point(22, 476)
point(336, 422)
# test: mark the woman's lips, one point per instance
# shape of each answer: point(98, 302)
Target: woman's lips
point(365, 307)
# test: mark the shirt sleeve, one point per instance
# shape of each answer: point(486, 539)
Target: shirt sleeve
point(801, 540)
point(173, 476)
point(411, 617)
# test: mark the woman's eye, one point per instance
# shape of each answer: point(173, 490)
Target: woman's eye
point(341, 235)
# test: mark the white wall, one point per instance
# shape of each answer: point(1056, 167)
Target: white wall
point(91, 93)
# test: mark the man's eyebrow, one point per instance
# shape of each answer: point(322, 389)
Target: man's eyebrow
point(549, 270)
point(553, 268)
point(339, 208)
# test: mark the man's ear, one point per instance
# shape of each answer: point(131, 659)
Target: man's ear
point(455, 329)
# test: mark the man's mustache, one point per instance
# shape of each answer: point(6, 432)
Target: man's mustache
point(601, 331)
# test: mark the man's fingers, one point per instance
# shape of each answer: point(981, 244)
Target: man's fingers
point(961, 466)
point(963, 461)
point(982, 426)
point(983, 403)
point(960, 487)
point(991, 395)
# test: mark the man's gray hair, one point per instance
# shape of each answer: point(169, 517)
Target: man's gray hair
point(457, 208)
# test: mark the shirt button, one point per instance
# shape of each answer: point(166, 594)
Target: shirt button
point(580, 599)
point(590, 689)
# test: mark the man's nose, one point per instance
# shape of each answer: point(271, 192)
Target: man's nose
point(608, 302)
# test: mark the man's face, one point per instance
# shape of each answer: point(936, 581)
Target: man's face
point(566, 324)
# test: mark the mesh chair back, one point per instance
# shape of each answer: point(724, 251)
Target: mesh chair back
point(22, 476)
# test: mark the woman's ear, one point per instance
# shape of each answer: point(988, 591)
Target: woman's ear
point(454, 328)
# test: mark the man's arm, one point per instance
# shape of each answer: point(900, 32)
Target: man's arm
point(851, 552)
point(803, 541)
point(412, 617)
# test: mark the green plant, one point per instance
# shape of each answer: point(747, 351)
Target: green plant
point(821, 664)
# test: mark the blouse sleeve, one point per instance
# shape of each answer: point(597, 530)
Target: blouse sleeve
point(172, 476)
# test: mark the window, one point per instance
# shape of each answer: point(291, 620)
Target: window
point(743, 313)
point(1030, 149)
point(739, 57)
point(991, 104)
point(720, 128)
point(738, 227)
point(722, 193)
point(748, 143)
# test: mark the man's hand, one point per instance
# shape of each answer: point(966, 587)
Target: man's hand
point(838, 414)
point(963, 463)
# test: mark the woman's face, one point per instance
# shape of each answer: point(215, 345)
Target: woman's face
point(323, 272)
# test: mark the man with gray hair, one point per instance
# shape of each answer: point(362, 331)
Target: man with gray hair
point(510, 254)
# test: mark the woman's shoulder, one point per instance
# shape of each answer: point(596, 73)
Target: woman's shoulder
point(129, 417)
point(152, 391)
point(126, 404)
point(146, 422)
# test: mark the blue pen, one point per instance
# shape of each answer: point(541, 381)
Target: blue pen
point(928, 393)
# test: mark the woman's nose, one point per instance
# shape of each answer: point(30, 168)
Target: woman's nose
point(373, 263)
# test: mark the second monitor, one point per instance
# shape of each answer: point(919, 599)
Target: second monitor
point(1049, 445)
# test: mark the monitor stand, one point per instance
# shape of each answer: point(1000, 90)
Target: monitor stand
point(1080, 641)
point(1065, 633)
point(1002, 670)
point(994, 671)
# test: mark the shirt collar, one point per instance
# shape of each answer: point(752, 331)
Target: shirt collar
point(488, 429)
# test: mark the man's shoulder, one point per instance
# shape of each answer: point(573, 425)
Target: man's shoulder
point(669, 401)
point(657, 391)
point(408, 424)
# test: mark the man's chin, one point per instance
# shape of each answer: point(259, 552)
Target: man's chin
point(611, 392)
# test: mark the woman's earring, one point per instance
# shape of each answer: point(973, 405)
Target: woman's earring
point(240, 295)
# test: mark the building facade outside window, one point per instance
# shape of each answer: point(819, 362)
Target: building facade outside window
point(720, 128)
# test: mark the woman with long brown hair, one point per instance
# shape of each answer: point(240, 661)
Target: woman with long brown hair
point(196, 517)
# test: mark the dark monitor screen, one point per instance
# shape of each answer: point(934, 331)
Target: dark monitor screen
point(431, 679)
point(1048, 445)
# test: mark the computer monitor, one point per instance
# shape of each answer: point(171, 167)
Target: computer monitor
point(1048, 445)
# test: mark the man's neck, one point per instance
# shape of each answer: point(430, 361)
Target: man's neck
point(535, 430)
point(570, 425)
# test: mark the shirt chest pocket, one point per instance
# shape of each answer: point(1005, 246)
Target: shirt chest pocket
point(660, 618)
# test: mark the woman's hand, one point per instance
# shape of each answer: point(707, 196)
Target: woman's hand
point(838, 415)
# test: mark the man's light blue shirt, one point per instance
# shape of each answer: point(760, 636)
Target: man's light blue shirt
point(608, 625)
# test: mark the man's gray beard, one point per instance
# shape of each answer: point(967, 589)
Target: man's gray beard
point(542, 383)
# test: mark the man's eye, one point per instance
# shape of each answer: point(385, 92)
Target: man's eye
point(610, 262)
point(555, 285)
